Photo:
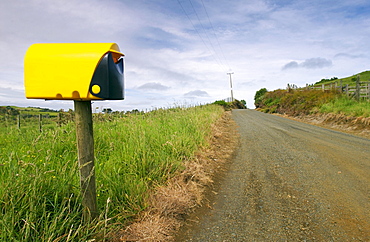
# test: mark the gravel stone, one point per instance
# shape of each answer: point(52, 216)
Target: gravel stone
point(289, 181)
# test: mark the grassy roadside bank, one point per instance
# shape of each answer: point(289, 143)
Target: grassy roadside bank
point(177, 202)
point(39, 192)
point(346, 106)
point(330, 109)
point(301, 101)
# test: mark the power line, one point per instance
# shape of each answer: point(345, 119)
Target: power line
point(218, 60)
point(193, 24)
point(206, 33)
point(214, 32)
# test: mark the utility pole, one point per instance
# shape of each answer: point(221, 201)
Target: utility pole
point(231, 86)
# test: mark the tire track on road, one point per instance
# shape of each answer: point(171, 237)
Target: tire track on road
point(290, 181)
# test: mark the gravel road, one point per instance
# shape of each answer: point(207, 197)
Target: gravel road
point(289, 181)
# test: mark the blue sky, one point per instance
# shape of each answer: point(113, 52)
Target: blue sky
point(179, 51)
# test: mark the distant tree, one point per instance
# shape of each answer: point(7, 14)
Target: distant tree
point(3, 110)
point(221, 102)
point(236, 104)
point(327, 80)
point(107, 110)
point(12, 111)
point(243, 102)
point(258, 97)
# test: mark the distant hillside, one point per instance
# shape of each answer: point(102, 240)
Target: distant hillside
point(14, 110)
point(364, 76)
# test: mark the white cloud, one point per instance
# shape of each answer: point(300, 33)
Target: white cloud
point(153, 86)
point(312, 63)
point(315, 63)
point(196, 93)
point(291, 65)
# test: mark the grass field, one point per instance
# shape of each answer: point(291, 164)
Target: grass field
point(39, 191)
point(351, 80)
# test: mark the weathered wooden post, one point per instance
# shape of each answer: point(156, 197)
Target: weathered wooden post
point(85, 147)
point(19, 121)
point(40, 122)
point(358, 89)
point(59, 120)
point(99, 77)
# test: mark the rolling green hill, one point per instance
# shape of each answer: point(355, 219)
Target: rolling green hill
point(364, 76)
point(34, 111)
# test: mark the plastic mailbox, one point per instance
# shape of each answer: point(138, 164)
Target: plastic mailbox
point(81, 71)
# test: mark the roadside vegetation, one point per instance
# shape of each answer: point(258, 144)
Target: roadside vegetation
point(303, 101)
point(346, 106)
point(236, 104)
point(39, 179)
point(294, 102)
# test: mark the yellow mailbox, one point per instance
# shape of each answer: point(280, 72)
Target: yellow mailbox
point(74, 71)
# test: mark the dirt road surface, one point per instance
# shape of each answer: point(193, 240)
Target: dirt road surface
point(289, 181)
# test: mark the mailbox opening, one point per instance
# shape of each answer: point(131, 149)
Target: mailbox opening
point(74, 71)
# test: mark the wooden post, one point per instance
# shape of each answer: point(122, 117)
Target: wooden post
point(59, 122)
point(19, 121)
point(358, 90)
point(368, 91)
point(85, 146)
point(40, 122)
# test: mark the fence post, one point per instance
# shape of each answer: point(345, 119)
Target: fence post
point(85, 146)
point(323, 87)
point(358, 89)
point(59, 122)
point(368, 90)
point(40, 122)
point(19, 121)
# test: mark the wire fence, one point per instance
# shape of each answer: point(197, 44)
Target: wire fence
point(359, 91)
point(58, 119)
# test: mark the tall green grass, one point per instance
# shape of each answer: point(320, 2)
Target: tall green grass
point(347, 106)
point(294, 102)
point(297, 102)
point(39, 179)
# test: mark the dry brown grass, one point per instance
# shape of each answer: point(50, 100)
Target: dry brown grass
point(353, 125)
point(169, 205)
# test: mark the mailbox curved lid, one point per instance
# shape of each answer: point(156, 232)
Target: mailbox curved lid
point(64, 70)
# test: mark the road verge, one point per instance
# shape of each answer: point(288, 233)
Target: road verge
point(169, 205)
point(340, 122)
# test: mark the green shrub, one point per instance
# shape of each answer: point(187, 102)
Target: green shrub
point(295, 102)
point(258, 97)
point(236, 104)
